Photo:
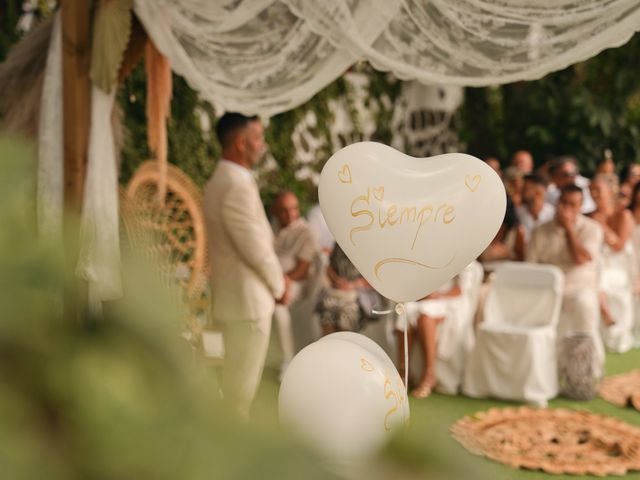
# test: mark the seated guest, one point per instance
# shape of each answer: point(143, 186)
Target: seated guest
point(423, 318)
point(523, 161)
point(513, 180)
point(348, 302)
point(324, 238)
point(508, 244)
point(543, 170)
point(296, 250)
point(623, 198)
point(606, 166)
point(634, 208)
point(494, 163)
point(630, 175)
point(534, 210)
point(573, 242)
point(616, 275)
point(563, 171)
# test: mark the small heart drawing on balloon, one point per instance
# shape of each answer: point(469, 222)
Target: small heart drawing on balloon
point(378, 193)
point(472, 182)
point(344, 174)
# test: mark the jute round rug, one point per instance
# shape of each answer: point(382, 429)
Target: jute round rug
point(552, 440)
point(622, 390)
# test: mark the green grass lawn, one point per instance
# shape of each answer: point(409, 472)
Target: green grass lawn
point(427, 450)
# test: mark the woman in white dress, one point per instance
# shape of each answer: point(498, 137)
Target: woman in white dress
point(617, 271)
point(634, 207)
point(443, 324)
point(423, 318)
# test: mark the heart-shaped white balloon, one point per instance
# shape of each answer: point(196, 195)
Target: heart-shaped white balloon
point(409, 224)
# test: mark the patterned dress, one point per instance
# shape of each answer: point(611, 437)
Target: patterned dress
point(347, 310)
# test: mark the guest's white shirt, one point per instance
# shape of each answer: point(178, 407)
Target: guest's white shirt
point(529, 223)
point(324, 238)
point(588, 205)
point(549, 245)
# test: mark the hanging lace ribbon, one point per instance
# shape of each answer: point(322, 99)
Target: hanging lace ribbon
point(158, 104)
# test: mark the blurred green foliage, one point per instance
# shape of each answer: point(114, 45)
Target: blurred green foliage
point(581, 110)
point(9, 15)
point(190, 147)
point(115, 397)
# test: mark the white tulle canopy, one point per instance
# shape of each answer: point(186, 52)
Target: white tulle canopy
point(268, 56)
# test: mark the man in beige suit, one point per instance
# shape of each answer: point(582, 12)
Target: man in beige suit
point(246, 277)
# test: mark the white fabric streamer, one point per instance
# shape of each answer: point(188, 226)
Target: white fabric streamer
point(99, 260)
point(50, 143)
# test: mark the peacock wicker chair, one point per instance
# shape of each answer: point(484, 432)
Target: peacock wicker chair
point(171, 234)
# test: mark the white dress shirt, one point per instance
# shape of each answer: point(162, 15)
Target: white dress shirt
point(529, 223)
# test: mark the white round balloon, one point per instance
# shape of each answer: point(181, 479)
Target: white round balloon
point(343, 399)
point(409, 224)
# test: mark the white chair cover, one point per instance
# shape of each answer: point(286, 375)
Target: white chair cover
point(455, 334)
point(514, 357)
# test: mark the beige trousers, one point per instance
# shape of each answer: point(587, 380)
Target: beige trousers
point(282, 317)
point(245, 344)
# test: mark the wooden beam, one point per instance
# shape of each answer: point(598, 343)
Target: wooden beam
point(76, 59)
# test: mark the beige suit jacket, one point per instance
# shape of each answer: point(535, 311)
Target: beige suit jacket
point(245, 273)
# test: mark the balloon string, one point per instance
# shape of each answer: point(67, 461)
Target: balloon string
point(406, 353)
point(400, 310)
point(403, 318)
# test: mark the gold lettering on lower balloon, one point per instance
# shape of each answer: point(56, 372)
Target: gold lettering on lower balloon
point(389, 392)
point(344, 174)
point(365, 365)
point(408, 261)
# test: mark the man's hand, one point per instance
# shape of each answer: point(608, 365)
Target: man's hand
point(564, 217)
point(286, 296)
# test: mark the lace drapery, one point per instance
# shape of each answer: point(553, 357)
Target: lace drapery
point(268, 56)
point(99, 256)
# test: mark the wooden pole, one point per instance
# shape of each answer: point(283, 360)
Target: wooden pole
point(76, 55)
point(76, 58)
